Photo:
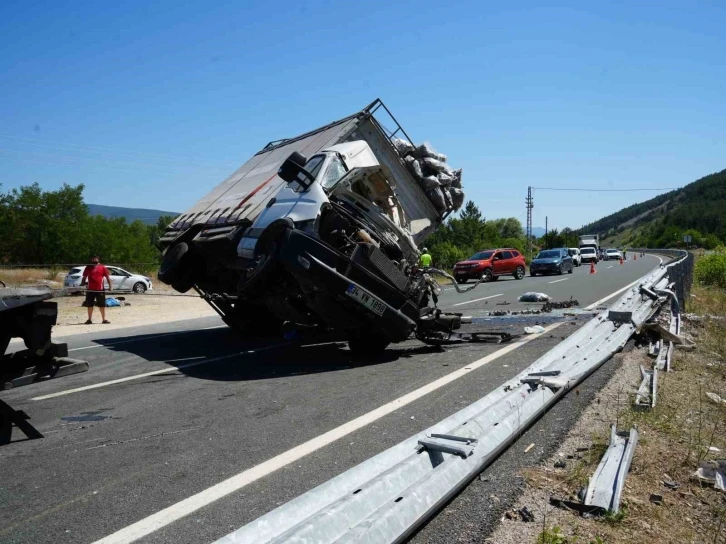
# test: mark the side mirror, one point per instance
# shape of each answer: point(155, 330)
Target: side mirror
point(292, 169)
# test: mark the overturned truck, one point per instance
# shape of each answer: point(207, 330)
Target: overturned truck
point(321, 231)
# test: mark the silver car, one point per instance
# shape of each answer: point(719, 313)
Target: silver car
point(121, 280)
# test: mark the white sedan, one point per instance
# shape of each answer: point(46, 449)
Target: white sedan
point(613, 255)
point(121, 280)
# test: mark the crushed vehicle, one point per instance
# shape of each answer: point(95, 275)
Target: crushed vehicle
point(321, 231)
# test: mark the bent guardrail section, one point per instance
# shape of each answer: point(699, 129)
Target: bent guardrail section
point(386, 498)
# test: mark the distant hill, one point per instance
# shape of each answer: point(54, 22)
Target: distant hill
point(149, 217)
point(538, 232)
point(696, 209)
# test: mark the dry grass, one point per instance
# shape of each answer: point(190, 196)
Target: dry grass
point(53, 277)
point(674, 437)
point(22, 277)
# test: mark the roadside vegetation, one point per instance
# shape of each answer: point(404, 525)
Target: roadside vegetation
point(460, 237)
point(662, 501)
point(663, 221)
point(40, 227)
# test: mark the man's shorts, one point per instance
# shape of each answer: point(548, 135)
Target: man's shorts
point(98, 298)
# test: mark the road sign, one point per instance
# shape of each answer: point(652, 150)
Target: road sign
point(688, 238)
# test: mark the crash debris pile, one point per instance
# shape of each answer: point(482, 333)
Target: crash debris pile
point(441, 183)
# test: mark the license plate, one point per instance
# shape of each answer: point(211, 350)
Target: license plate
point(369, 301)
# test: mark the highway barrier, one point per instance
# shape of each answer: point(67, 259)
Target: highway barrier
point(386, 498)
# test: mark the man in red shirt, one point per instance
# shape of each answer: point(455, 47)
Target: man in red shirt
point(94, 275)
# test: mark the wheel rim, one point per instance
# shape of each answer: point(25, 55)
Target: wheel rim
point(487, 276)
point(520, 272)
point(139, 288)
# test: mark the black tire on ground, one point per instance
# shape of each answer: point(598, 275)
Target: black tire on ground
point(172, 266)
point(572, 268)
point(560, 271)
point(487, 276)
point(532, 274)
point(367, 344)
point(495, 278)
point(519, 273)
point(139, 287)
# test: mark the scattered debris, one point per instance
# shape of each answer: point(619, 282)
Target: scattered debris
point(503, 303)
point(606, 485)
point(549, 306)
point(715, 398)
point(560, 464)
point(526, 514)
point(536, 329)
point(534, 297)
point(670, 484)
point(712, 473)
point(714, 449)
point(656, 499)
point(526, 450)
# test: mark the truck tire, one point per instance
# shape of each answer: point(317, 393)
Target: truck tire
point(367, 344)
point(173, 267)
point(266, 250)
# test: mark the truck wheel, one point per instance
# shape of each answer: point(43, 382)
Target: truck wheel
point(172, 266)
point(519, 273)
point(367, 344)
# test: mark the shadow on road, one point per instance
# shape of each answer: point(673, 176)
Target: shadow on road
point(256, 359)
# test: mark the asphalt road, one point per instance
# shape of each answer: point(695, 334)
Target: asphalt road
point(183, 433)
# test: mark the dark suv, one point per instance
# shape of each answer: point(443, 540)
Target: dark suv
point(551, 261)
point(490, 264)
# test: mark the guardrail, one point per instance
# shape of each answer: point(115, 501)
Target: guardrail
point(386, 498)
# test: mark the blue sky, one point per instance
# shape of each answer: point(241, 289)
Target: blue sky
point(153, 104)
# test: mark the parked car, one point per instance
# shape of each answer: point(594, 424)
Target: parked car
point(121, 280)
point(613, 254)
point(490, 264)
point(588, 255)
point(551, 261)
point(576, 257)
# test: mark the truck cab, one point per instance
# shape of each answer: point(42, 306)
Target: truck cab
point(349, 172)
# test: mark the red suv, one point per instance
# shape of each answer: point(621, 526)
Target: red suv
point(490, 264)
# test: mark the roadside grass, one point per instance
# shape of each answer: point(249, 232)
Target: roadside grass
point(685, 428)
point(23, 277)
point(53, 277)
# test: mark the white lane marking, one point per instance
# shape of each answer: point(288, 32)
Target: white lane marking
point(146, 338)
point(185, 507)
point(610, 266)
point(153, 373)
point(557, 281)
point(477, 300)
point(611, 295)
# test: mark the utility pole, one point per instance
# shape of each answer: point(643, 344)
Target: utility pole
point(530, 204)
point(547, 234)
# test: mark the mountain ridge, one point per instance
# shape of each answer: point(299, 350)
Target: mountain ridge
point(145, 215)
